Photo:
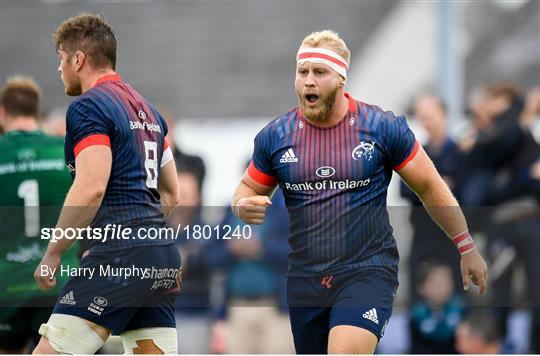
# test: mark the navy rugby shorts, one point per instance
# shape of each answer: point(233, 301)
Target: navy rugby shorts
point(129, 289)
point(362, 298)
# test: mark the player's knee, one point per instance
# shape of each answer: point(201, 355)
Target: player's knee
point(345, 339)
point(349, 347)
point(44, 347)
point(68, 334)
point(150, 341)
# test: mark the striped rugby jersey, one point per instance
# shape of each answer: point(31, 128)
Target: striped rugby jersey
point(114, 114)
point(335, 182)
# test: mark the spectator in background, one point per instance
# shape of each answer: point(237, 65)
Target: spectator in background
point(184, 161)
point(529, 115)
point(496, 137)
point(522, 178)
point(429, 241)
point(514, 232)
point(435, 316)
point(478, 334)
point(253, 317)
point(193, 307)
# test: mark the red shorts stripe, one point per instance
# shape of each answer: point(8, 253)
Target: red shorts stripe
point(166, 144)
point(260, 177)
point(92, 140)
point(409, 158)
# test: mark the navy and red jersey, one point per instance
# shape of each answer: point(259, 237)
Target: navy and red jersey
point(335, 182)
point(113, 114)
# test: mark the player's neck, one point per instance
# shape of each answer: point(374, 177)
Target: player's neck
point(92, 78)
point(340, 108)
point(21, 123)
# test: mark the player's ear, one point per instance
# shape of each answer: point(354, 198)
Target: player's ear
point(80, 58)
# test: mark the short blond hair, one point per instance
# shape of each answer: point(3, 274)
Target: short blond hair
point(21, 96)
point(328, 38)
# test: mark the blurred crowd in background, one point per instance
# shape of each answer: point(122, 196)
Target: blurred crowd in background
point(233, 291)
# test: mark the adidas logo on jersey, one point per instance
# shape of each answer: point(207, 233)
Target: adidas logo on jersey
point(371, 315)
point(289, 157)
point(68, 299)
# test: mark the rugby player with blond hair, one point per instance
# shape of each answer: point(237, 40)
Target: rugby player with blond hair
point(333, 156)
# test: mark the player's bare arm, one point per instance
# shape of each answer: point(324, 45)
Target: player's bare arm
point(93, 170)
point(251, 199)
point(422, 177)
point(168, 187)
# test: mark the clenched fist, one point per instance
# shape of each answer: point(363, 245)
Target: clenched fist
point(252, 210)
point(474, 268)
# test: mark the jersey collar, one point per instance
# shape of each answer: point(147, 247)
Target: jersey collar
point(23, 132)
point(108, 78)
point(352, 104)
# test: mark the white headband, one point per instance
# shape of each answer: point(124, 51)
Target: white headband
point(324, 56)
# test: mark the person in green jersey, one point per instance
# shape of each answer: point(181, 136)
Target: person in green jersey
point(34, 181)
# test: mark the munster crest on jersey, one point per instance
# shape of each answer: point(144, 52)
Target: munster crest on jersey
point(364, 150)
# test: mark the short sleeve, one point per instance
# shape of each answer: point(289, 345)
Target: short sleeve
point(86, 127)
point(260, 168)
point(161, 121)
point(402, 145)
point(167, 155)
